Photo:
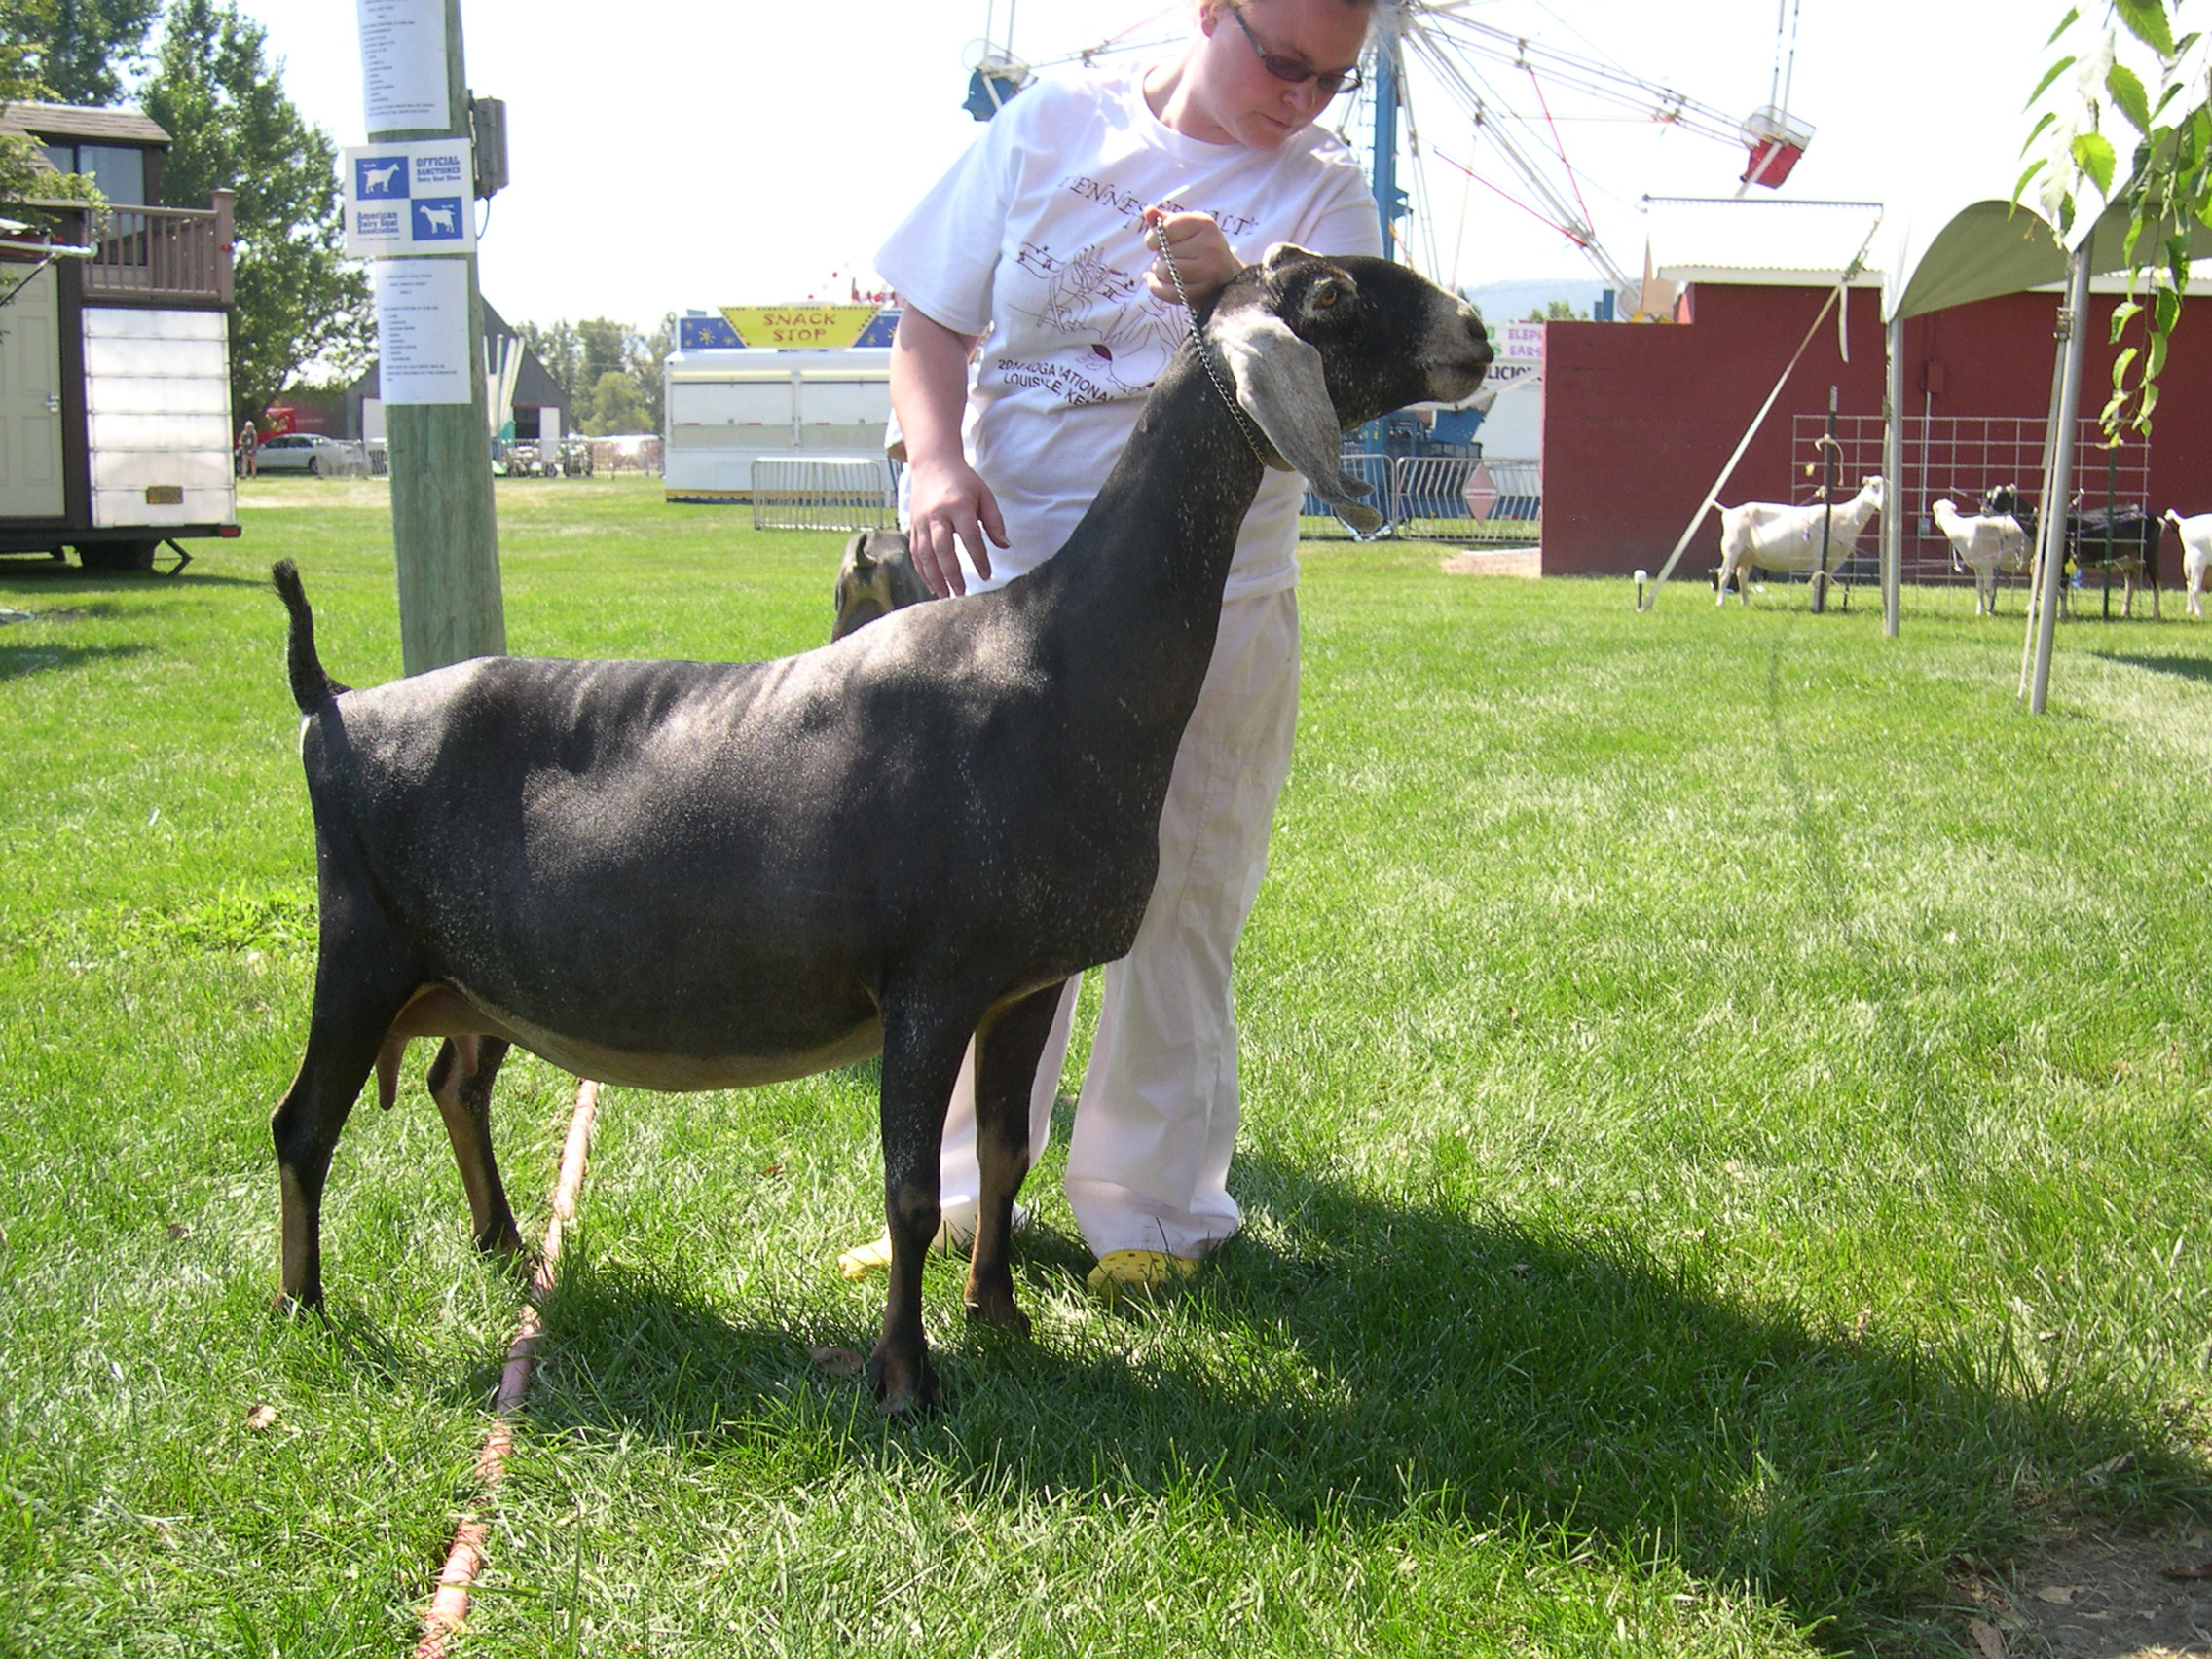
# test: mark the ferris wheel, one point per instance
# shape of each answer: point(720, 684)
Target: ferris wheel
point(1507, 92)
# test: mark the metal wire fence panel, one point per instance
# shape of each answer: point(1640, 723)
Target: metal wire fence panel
point(1442, 499)
point(820, 494)
point(1447, 499)
point(1959, 459)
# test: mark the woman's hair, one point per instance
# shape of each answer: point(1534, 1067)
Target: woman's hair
point(1240, 5)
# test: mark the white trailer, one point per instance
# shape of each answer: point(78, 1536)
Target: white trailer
point(115, 371)
point(729, 407)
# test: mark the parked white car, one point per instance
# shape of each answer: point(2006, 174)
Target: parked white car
point(313, 454)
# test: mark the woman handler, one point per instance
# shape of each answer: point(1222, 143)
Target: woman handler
point(1039, 244)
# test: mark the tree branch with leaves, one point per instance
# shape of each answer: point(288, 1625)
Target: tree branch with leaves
point(2130, 74)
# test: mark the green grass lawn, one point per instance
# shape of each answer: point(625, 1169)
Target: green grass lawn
point(1725, 1150)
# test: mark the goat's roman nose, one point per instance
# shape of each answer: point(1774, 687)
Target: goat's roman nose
point(1471, 321)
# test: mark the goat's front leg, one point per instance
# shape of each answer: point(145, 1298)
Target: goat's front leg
point(1007, 1049)
point(921, 1059)
point(460, 1083)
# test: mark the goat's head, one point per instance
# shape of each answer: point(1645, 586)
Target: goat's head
point(1318, 345)
point(2171, 516)
point(1870, 490)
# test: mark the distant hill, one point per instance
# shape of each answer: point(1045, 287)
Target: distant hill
point(1511, 300)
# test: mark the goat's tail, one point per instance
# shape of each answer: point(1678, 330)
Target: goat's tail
point(311, 686)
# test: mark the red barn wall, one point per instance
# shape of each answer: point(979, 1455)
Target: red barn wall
point(1640, 420)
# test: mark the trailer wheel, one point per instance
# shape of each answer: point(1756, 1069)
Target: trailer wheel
point(118, 555)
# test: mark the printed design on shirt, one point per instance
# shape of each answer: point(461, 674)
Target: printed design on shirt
point(1129, 333)
point(1131, 208)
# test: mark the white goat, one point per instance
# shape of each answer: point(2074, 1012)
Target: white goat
point(1788, 538)
point(2195, 555)
point(1985, 546)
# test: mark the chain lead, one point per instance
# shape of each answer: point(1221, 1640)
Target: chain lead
point(1205, 356)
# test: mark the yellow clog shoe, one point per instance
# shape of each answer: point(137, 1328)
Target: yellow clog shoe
point(1139, 1273)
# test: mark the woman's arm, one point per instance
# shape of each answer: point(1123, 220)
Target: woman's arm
point(950, 504)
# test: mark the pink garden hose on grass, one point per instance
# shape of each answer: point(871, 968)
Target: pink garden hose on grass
point(449, 1607)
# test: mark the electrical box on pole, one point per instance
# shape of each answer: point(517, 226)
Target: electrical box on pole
point(409, 201)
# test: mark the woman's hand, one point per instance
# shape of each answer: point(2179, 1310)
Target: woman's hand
point(1203, 258)
point(950, 505)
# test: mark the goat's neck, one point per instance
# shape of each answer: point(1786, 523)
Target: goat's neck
point(1134, 600)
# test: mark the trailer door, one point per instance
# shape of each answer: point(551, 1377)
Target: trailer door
point(30, 400)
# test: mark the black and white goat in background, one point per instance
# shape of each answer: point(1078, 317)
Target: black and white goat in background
point(684, 875)
point(2120, 541)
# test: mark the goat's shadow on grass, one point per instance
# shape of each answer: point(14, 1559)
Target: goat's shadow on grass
point(19, 661)
point(1388, 1355)
point(2183, 666)
point(51, 578)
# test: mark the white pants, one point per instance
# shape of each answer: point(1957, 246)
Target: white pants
point(1157, 1119)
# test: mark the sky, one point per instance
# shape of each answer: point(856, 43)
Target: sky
point(679, 154)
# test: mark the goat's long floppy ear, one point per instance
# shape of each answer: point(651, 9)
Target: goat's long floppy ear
point(1279, 384)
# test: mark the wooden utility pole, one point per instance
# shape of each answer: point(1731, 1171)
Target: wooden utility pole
point(443, 525)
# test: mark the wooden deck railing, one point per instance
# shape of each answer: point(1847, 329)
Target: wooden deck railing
point(164, 252)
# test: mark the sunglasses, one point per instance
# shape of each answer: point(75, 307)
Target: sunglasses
point(1329, 82)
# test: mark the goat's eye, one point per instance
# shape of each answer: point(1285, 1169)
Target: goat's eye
point(1326, 296)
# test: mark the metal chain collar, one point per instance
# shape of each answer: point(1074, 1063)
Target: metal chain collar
point(1205, 356)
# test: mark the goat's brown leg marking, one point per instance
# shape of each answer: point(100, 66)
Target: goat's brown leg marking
point(460, 1083)
point(1007, 1049)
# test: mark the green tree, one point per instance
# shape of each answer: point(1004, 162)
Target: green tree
point(586, 358)
point(85, 48)
point(2165, 189)
point(616, 406)
point(298, 299)
point(606, 347)
point(26, 26)
point(22, 162)
point(652, 352)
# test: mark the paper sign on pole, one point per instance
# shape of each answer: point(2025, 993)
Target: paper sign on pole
point(403, 65)
point(408, 199)
point(423, 343)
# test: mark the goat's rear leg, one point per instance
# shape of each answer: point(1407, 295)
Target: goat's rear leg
point(346, 1031)
point(463, 1093)
point(1008, 1047)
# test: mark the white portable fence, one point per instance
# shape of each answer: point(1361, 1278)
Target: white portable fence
point(1959, 459)
point(1441, 498)
point(852, 494)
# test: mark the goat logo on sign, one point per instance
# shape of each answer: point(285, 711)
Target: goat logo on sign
point(384, 179)
point(438, 221)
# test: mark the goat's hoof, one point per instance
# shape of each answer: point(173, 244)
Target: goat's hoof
point(503, 1239)
point(997, 1309)
point(903, 1388)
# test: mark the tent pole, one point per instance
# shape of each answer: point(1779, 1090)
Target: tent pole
point(2073, 345)
point(1892, 470)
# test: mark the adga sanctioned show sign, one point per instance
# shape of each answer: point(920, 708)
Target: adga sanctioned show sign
point(819, 327)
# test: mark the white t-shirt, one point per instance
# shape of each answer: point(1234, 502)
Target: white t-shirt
point(1035, 238)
